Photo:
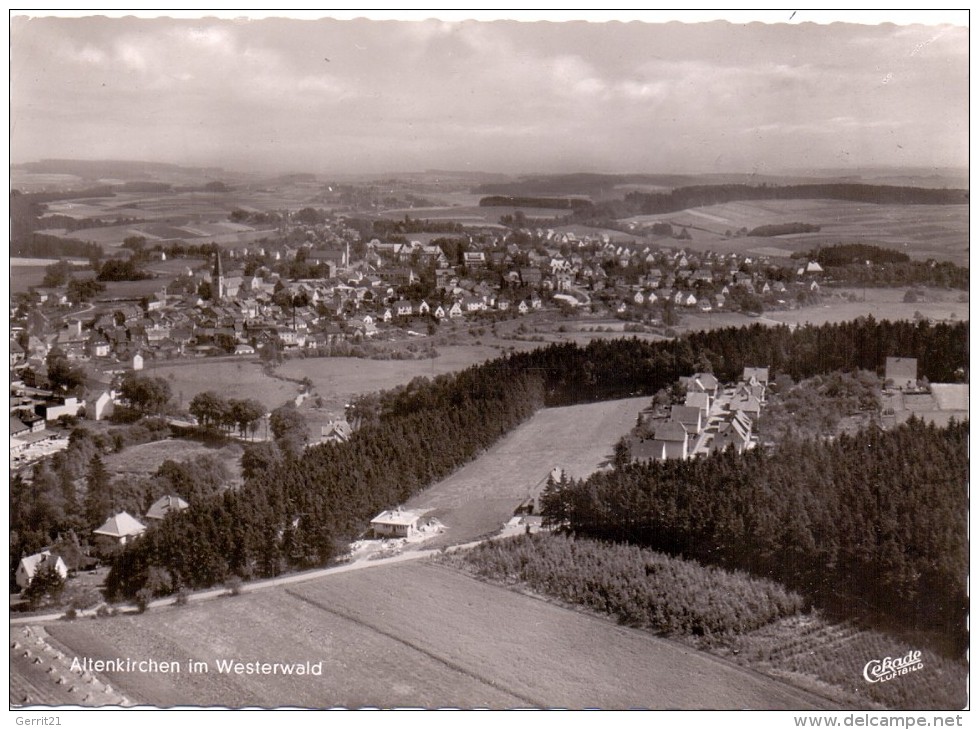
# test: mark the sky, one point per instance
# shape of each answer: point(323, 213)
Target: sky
point(369, 96)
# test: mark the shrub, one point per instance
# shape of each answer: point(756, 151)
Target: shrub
point(143, 598)
point(233, 584)
point(71, 614)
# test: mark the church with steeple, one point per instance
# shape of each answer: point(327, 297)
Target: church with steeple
point(225, 286)
point(218, 292)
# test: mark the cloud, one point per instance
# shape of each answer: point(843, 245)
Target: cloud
point(524, 93)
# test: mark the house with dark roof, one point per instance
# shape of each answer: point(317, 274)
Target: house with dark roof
point(671, 440)
point(164, 506)
point(701, 382)
point(748, 404)
point(902, 372)
point(690, 417)
point(698, 399)
point(17, 427)
point(335, 432)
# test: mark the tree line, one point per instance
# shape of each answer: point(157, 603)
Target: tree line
point(843, 254)
point(693, 196)
point(873, 526)
point(782, 229)
point(862, 264)
point(497, 201)
point(606, 369)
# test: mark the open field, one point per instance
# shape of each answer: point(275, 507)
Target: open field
point(133, 289)
point(414, 635)
point(474, 215)
point(22, 278)
point(938, 304)
point(921, 231)
point(227, 377)
point(343, 377)
point(481, 496)
point(144, 459)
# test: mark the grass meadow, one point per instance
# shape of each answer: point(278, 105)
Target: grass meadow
point(229, 378)
point(921, 231)
point(481, 496)
point(415, 635)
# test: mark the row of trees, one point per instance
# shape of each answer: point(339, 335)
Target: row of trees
point(214, 411)
point(873, 526)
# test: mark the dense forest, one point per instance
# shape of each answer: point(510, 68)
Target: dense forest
point(873, 526)
point(844, 254)
point(606, 369)
point(942, 274)
point(496, 201)
point(694, 196)
point(41, 245)
point(297, 510)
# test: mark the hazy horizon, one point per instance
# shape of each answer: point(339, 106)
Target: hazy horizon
point(352, 97)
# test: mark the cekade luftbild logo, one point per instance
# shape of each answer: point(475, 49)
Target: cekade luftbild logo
point(886, 669)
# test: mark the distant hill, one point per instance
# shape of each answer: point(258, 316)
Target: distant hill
point(604, 186)
point(127, 170)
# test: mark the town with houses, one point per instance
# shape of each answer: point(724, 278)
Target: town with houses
point(335, 289)
point(243, 303)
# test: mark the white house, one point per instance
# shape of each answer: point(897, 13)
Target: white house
point(397, 523)
point(102, 406)
point(121, 527)
point(402, 308)
point(29, 566)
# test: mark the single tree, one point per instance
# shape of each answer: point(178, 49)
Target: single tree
point(47, 582)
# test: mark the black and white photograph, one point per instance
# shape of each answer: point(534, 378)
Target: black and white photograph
point(516, 360)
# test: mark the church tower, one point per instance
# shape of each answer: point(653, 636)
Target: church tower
point(217, 279)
